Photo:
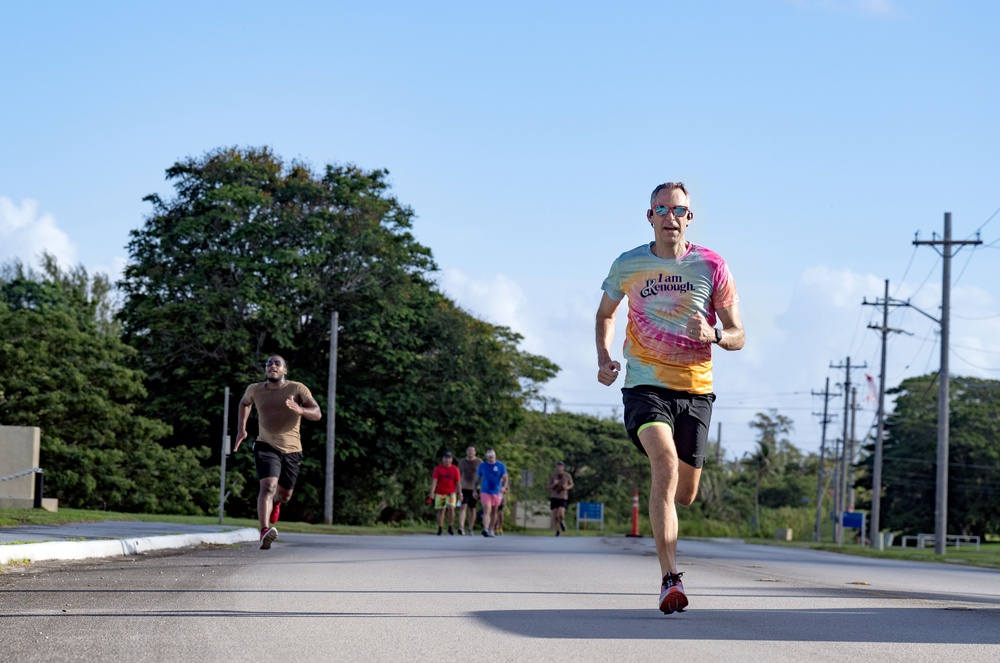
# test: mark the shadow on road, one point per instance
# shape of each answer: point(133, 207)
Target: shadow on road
point(890, 625)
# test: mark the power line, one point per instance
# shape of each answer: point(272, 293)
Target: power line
point(976, 319)
point(924, 461)
point(982, 368)
point(966, 347)
point(976, 233)
point(992, 216)
point(902, 279)
point(926, 279)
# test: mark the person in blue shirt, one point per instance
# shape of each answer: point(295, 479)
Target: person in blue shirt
point(494, 482)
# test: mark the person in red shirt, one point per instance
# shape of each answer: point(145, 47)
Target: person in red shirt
point(446, 484)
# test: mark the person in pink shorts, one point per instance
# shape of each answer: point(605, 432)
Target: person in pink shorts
point(493, 483)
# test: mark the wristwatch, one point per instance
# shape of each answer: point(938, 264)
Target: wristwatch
point(718, 335)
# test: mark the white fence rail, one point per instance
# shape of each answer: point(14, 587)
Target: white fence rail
point(923, 540)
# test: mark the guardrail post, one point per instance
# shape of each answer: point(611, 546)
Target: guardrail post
point(39, 487)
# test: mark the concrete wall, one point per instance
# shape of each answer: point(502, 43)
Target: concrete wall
point(20, 449)
point(533, 515)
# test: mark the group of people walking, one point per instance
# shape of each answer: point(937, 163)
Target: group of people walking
point(475, 481)
point(471, 482)
point(677, 292)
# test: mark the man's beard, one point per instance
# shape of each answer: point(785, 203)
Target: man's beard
point(275, 380)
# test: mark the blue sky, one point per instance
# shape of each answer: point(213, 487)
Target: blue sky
point(817, 138)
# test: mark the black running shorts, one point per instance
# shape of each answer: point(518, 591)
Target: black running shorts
point(557, 503)
point(688, 415)
point(272, 463)
point(467, 497)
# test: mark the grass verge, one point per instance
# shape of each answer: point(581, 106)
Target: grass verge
point(988, 554)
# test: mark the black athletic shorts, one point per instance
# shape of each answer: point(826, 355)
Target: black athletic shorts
point(688, 415)
point(557, 503)
point(272, 463)
point(467, 497)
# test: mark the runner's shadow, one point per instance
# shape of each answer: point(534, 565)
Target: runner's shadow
point(889, 625)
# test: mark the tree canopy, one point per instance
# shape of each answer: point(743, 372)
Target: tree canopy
point(251, 257)
point(909, 470)
point(65, 370)
point(605, 465)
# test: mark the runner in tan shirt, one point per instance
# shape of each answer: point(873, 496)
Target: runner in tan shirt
point(560, 484)
point(281, 404)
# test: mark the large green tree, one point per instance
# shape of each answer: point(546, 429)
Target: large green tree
point(909, 470)
point(605, 465)
point(64, 369)
point(252, 257)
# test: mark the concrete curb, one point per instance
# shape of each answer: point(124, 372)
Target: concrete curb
point(36, 552)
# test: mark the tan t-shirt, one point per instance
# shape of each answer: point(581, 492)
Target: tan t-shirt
point(469, 470)
point(560, 484)
point(279, 426)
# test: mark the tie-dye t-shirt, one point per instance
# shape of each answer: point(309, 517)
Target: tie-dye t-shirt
point(662, 295)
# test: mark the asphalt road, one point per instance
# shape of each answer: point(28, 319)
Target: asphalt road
point(518, 598)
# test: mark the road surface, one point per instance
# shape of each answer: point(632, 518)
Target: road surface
point(517, 598)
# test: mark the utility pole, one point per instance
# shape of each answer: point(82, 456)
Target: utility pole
point(822, 460)
point(839, 507)
point(718, 448)
point(941, 493)
point(224, 454)
point(874, 526)
point(331, 419)
point(851, 453)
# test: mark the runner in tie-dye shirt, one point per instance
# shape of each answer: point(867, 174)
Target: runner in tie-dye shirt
point(676, 291)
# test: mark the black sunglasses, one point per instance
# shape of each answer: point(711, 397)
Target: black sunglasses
point(678, 210)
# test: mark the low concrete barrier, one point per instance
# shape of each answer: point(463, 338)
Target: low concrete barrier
point(37, 552)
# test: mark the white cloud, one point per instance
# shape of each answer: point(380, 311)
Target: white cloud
point(556, 321)
point(974, 338)
point(497, 299)
point(113, 269)
point(825, 320)
point(794, 334)
point(25, 234)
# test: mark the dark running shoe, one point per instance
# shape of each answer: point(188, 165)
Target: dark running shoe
point(275, 512)
point(672, 596)
point(439, 531)
point(267, 537)
point(461, 532)
point(562, 525)
point(451, 532)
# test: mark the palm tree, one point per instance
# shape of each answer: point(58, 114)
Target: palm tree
point(763, 463)
point(773, 451)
